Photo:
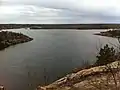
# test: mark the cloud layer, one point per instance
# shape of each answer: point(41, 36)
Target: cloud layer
point(60, 11)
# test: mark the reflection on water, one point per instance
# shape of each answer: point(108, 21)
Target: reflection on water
point(51, 55)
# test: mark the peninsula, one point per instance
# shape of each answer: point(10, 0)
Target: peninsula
point(110, 33)
point(8, 38)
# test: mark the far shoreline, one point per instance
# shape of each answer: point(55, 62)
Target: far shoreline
point(61, 26)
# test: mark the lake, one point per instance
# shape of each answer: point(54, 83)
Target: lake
point(51, 55)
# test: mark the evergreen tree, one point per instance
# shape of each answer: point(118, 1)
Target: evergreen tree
point(106, 55)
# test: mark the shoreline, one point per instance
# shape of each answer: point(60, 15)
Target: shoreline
point(81, 78)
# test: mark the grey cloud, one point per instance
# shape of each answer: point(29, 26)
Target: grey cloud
point(61, 11)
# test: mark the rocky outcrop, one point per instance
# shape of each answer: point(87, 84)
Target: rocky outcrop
point(8, 38)
point(75, 81)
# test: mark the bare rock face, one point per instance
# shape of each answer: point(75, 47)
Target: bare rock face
point(81, 79)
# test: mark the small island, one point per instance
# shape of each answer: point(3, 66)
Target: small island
point(8, 38)
point(110, 33)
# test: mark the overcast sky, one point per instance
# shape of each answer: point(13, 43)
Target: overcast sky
point(59, 11)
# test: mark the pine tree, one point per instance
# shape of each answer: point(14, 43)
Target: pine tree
point(106, 55)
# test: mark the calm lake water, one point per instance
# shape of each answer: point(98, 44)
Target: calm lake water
point(51, 55)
